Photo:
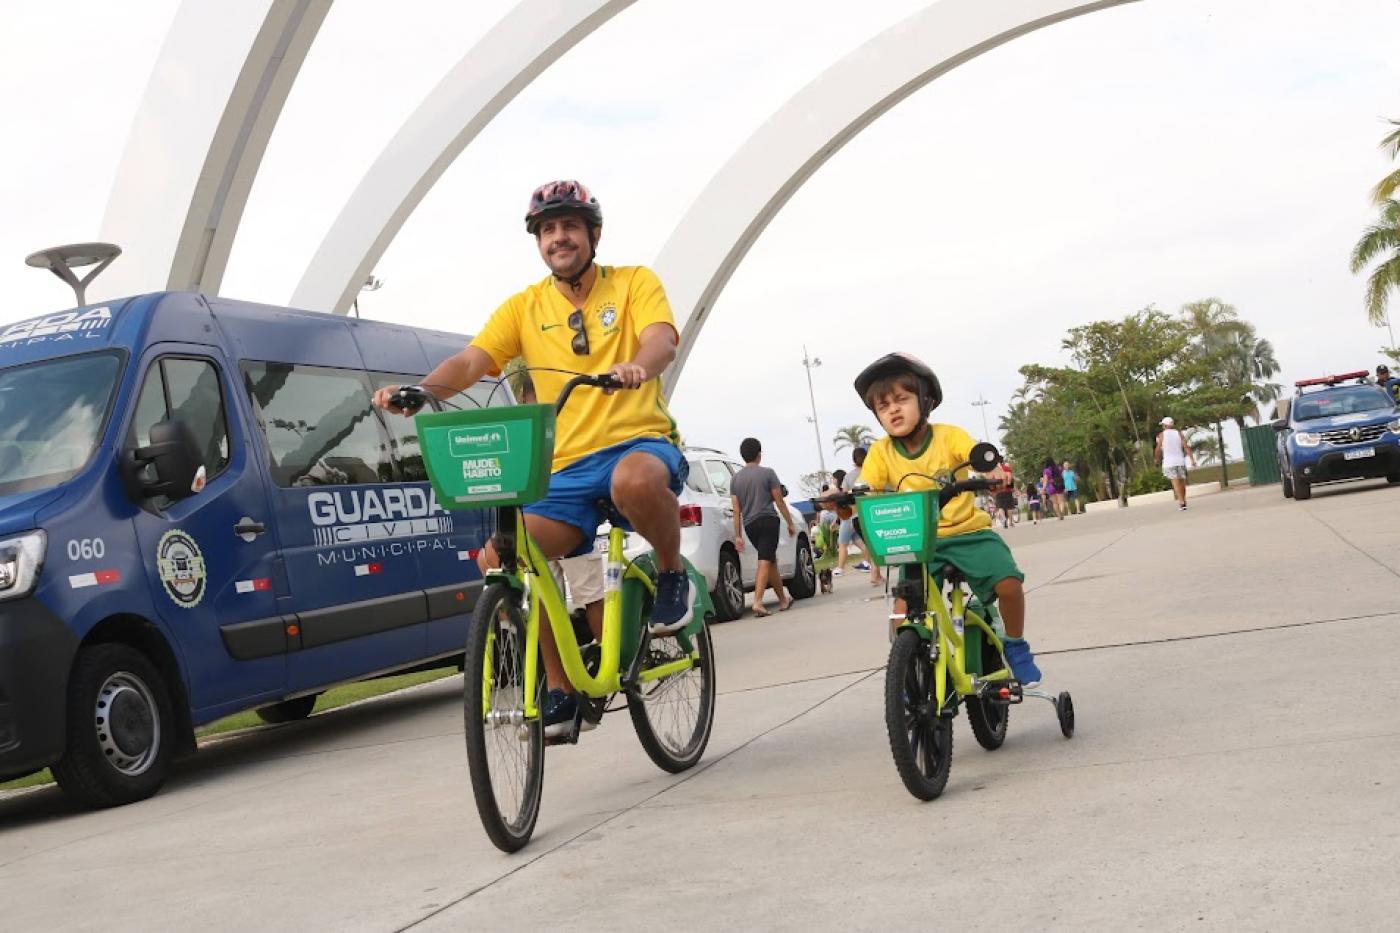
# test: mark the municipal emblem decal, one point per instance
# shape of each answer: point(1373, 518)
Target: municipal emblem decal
point(609, 316)
point(181, 568)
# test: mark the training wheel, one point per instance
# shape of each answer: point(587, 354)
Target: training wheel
point(1064, 708)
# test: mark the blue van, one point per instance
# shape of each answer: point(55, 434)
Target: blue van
point(201, 513)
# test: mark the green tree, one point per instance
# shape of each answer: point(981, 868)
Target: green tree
point(852, 436)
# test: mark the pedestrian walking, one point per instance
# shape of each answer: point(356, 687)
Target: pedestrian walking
point(1071, 481)
point(1172, 452)
point(759, 511)
point(851, 481)
point(1053, 490)
point(1006, 496)
point(1033, 501)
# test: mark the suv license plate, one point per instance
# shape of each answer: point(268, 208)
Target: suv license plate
point(1361, 453)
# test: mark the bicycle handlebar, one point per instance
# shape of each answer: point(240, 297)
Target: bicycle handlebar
point(605, 381)
point(945, 494)
point(411, 398)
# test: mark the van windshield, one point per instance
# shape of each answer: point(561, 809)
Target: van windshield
point(51, 417)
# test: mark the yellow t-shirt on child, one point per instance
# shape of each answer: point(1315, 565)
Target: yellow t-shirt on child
point(887, 468)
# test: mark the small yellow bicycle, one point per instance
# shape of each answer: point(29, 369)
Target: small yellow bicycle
point(499, 458)
point(946, 652)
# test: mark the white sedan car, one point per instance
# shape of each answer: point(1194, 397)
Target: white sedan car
point(707, 537)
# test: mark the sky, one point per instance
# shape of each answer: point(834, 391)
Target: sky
point(1151, 154)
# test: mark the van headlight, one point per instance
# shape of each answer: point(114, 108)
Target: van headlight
point(1307, 438)
point(21, 559)
point(1394, 426)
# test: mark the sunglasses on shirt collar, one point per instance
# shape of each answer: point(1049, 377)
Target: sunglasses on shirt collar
point(580, 341)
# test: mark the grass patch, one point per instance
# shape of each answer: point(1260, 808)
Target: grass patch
point(332, 698)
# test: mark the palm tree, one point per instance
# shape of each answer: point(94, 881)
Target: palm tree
point(1380, 241)
point(853, 435)
point(1250, 364)
point(1385, 189)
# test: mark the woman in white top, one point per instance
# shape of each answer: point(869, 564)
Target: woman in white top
point(1173, 452)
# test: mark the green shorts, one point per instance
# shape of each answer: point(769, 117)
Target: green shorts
point(981, 556)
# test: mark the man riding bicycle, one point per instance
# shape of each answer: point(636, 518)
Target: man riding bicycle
point(620, 446)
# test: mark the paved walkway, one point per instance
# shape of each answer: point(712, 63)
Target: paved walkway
point(1236, 764)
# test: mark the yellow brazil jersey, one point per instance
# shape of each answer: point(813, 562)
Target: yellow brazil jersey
point(625, 300)
point(946, 446)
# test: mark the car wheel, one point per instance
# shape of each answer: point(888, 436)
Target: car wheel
point(120, 728)
point(1287, 484)
point(804, 580)
point(1302, 489)
point(729, 587)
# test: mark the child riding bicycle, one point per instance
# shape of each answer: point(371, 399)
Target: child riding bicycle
point(902, 391)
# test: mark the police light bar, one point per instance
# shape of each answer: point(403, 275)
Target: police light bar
point(1332, 380)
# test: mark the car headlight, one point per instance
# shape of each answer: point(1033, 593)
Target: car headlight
point(1307, 438)
point(21, 559)
point(1394, 426)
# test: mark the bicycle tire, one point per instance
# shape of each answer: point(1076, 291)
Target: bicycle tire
point(921, 739)
point(516, 777)
point(988, 719)
point(673, 716)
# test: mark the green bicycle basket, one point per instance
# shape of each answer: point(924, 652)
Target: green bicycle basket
point(491, 457)
point(900, 528)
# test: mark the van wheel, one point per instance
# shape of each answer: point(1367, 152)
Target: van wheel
point(1287, 484)
point(804, 580)
point(729, 588)
point(119, 731)
point(1302, 489)
point(288, 710)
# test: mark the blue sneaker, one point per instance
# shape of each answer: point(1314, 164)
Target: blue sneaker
point(560, 711)
point(673, 608)
point(1022, 661)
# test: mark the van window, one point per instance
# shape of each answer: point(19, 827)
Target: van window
point(51, 418)
point(403, 434)
point(319, 425)
point(188, 389)
point(696, 480)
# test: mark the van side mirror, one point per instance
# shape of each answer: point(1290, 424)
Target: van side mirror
point(1281, 424)
point(175, 457)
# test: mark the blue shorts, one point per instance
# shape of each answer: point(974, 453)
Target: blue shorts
point(574, 491)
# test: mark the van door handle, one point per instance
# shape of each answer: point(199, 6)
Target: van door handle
point(249, 528)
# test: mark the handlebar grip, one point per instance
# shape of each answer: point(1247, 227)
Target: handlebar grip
point(409, 398)
point(947, 493)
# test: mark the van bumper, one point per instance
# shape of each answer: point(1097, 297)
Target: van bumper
point(36, 653)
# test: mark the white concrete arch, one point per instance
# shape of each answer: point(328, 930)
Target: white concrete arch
point(217, 89)
point(726, 219)
point(512, 54)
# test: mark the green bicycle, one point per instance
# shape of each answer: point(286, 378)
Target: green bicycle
point(947, 652)
point(499, 458)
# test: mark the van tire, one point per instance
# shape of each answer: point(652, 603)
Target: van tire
point(114, 684)
point(288, 710)
point(1302, 489)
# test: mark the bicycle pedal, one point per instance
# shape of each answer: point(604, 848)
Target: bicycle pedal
point(1002, 691)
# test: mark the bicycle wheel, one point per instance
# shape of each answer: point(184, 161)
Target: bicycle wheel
point(987, 719)
point(921, 739)
point(673, 716)
point(505, 753)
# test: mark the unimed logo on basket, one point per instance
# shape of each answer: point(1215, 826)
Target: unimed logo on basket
point(478, 441)
point(892, 513)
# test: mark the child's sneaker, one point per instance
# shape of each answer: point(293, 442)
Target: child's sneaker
point(1022, 661)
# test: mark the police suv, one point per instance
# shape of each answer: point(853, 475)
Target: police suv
point(200, 513)
point(1334, 428)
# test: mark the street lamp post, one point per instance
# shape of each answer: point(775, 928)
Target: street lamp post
point(810, 363)
point(982, 403)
